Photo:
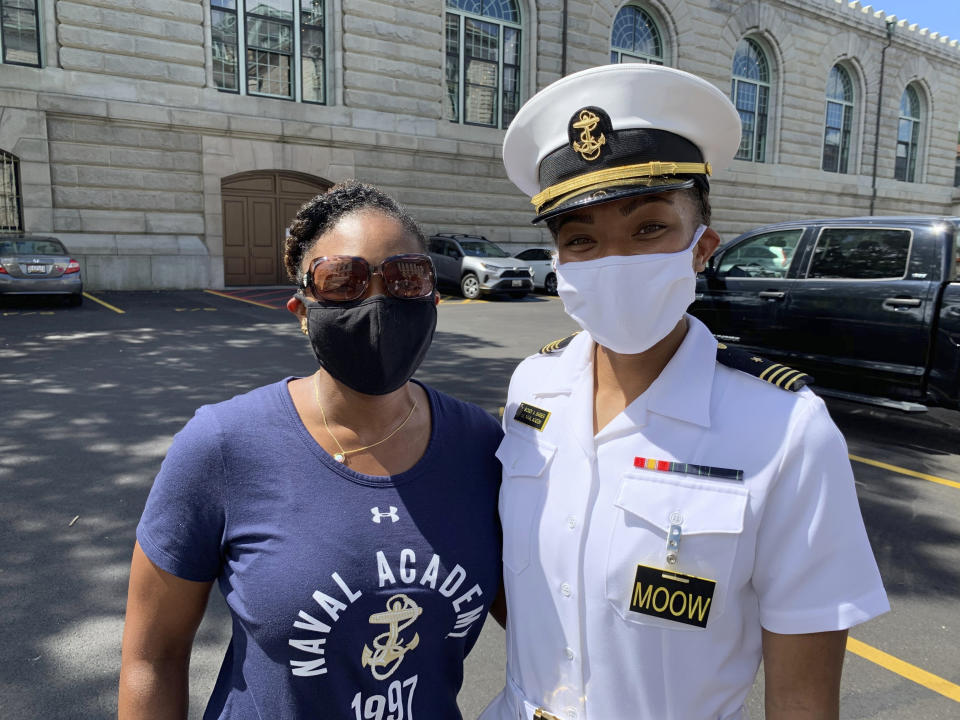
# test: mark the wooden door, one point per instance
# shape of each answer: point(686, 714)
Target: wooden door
point(257, 209)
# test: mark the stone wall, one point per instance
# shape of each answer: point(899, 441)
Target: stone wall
point(124, 140)
point(160, 40)
point(129, 198)
point(390, 53)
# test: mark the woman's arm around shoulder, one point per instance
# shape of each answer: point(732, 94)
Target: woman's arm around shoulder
point(163, 614)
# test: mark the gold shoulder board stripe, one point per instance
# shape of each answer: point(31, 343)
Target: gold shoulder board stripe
point(783, 376)
point(556, 345)
point(779, 374)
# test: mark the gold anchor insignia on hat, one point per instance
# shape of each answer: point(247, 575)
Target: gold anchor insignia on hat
point(589, 146)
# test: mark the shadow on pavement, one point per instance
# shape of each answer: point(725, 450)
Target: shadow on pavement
point(90, 406)
point(87, 417)
point(908, 530)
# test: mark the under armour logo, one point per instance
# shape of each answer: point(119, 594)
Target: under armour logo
point(378, 516)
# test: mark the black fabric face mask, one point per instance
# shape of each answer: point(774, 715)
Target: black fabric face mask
point(372, 346)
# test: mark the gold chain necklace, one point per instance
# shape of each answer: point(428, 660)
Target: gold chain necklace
point(342, 455)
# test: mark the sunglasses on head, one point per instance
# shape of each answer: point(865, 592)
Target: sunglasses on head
point(341, 278)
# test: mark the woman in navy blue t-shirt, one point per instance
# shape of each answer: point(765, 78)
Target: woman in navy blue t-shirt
point(349, 518)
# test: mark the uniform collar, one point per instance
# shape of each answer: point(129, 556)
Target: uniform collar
point(684, 387)
point(681, 391)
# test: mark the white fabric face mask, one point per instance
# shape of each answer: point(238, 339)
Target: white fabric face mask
point(629, 303)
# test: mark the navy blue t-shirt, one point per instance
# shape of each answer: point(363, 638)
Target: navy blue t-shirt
point(352, 596)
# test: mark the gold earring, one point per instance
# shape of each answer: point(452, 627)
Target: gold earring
point(303, 326)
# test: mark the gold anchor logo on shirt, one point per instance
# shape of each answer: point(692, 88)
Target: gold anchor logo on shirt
point(589, 146)
point(388, 648)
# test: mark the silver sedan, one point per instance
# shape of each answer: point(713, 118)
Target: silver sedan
point(38, 265)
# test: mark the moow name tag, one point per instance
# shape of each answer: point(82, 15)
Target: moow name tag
point(672, 596)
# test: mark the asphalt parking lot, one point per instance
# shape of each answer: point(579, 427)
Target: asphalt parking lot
point(91, 397)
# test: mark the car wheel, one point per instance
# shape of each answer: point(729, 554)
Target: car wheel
point(470, 286)
point(550, 284)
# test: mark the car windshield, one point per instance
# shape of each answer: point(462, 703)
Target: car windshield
point(43, 246)
point(482, 248)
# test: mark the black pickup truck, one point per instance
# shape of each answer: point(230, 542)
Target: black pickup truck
point(869, 306)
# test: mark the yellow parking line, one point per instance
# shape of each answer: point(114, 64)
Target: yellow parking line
point(905, 669)
point(239, 299)
point(104, 303)
point(904, 471)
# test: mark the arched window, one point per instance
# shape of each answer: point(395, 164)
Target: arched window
point(751, 95)
point(20, 32)
point(908, 135)
point(11, 209)
point(636, 37)
point(956, 170)
point(839, 121)
point(282, 43)
point(483, 61)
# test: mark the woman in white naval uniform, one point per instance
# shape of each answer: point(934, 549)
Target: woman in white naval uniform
point(668, 520)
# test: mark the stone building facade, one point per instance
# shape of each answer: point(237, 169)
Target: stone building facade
point(168, 142)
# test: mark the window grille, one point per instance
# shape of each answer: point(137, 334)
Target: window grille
point(635, 37)
point(483, 50)
point(11, 206)
point(956, 171)
point(839, 120)
point(751, 95)
point(908, 135)
point(283, 45)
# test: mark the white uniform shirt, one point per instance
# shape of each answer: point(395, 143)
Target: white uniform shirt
point(786, 545)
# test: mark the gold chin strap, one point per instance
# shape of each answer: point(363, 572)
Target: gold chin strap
point(610, 176)
point(303, 326)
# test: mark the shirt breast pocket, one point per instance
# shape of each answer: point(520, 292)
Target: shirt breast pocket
point(710, 515)
point(522, 494)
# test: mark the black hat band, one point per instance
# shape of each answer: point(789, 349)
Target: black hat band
point(630, 146)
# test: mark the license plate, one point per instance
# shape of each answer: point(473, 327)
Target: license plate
point(517, 283)
point(34, 269)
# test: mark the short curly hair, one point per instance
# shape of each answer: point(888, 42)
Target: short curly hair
point(324, 211)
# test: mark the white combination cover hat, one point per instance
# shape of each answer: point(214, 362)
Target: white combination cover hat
point(618, 130)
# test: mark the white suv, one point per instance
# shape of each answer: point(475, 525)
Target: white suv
point(477, 266)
